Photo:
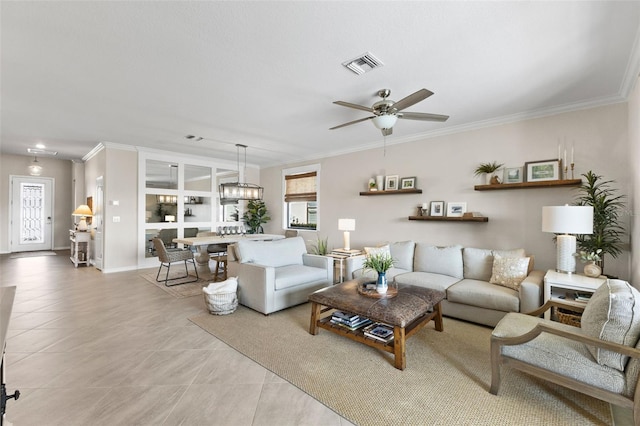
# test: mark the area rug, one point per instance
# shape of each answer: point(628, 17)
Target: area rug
point(178, 291)
point(446, 380)
point(32, 254)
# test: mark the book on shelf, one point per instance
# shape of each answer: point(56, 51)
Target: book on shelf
point(345, 315)
point(582, 296)
point(379, 331)
point(354, 326)
point(347, 253)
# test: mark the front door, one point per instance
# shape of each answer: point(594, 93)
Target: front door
point(31, 213)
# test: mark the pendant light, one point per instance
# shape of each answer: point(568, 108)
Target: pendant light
point(35, 169)
point(233, 191)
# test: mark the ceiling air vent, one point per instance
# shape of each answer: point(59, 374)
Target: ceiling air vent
point(363, 63)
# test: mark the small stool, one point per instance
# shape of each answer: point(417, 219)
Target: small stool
point(221, 260)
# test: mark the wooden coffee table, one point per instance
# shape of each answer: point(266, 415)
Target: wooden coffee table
point(408, 312)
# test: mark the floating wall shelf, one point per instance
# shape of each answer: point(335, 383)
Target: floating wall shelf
point(394, 191)
point(450, 219)
point(521, 185)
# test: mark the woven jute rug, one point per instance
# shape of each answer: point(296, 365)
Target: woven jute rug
point(446, 380)
point(178, 291)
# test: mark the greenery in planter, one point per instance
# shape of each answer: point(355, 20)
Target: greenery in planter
point(379, 262)
point(321, 246)
point(487, 168)
point(607, 209)
point(255, 216)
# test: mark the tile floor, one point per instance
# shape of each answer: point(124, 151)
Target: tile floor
point(87, 348)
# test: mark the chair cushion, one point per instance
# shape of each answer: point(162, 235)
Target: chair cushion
point(613, 314)
point(439, 260)
point(287, 251)
point(294, 275)
point(558, 354)
point(484, 295)
point(509, 271)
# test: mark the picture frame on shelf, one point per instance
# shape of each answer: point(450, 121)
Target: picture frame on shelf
point(513, 175)
point(408, 183)
point(436, 208)
point(540, 171)
point(391, 183)
point(456, 209)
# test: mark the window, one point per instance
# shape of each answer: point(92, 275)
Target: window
point(301, 198)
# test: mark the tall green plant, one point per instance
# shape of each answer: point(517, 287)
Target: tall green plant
point(321, 246)
point(255, 216)
point(607, 209)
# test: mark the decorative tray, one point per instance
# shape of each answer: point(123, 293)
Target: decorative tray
point(391, 292)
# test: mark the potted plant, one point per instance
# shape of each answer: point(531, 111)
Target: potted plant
point(321, 246)
point(372, 185)
point(380, 262)
point(488, 169)
point(255, 216)
point(607, 209)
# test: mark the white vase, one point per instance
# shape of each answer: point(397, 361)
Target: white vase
point(592, 270)
point(380, 183)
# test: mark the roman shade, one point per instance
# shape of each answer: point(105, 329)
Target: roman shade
point(300, 187)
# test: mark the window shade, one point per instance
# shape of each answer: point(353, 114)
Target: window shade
point(300, 187)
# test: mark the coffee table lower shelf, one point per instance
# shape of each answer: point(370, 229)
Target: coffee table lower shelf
point(396, 346)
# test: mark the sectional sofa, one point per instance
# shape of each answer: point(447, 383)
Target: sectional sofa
point(481, 285)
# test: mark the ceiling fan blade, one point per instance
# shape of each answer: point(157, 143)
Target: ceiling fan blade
point(387, 132)
point(422, 116)
point(356, 106)
point(352, 122)
point(412, 99)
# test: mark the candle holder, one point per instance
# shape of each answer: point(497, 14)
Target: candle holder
point(572, 165)
point(566, 172)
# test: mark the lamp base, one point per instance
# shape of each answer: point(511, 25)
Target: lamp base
point(347, 243)
point(565, 259)
point(82, 225)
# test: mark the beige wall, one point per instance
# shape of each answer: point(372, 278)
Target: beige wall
point(444, 169)
point(634, 177)
point(61, 172)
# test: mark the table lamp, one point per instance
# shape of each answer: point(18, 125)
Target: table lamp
point(83, 211)
point(346, 225)
point(567, 220)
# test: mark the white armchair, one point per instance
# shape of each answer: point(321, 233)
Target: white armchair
point(275, 275)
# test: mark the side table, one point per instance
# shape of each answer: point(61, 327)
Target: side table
point(339, 265)
point(80, 247)
point(562, 286)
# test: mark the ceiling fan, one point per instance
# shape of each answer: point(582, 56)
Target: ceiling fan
point(386, 112)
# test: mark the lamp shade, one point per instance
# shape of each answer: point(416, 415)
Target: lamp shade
point(385, 121)
point(82, 210)
point(347, 224)
point(567, 219)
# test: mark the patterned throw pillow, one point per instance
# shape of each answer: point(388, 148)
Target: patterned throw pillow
point(509, 271)
point(378, 250)
point(613, 314)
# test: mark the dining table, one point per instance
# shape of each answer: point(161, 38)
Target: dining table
point(202, 257)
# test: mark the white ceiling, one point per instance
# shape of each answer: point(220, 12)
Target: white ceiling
point(265, 74)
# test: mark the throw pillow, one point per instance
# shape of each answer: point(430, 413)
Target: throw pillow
point(378, 250)
point(613, 314)
point(509, 271)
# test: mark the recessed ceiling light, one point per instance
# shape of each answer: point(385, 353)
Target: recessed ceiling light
point(40, 146)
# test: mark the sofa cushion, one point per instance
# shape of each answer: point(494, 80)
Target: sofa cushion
point(613, 314)
point(477, 263)
point(402, 254)
point(287, 251)
point(294, 275)
point(509, 271)
point(439, 260)
point(426, 280)
point(484, 295)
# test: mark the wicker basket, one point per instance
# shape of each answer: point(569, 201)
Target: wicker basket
point(221, 303)
point(568, 317)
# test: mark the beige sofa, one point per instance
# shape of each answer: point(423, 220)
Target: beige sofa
point(464, 274)
point(274, 275)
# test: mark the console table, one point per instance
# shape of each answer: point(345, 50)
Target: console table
point(80, 247)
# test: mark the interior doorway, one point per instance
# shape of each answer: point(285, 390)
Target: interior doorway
point(31, 216)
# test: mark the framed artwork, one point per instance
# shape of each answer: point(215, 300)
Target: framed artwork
point(391, 183)
point(408, 183)
point(456, 209)
point(538, 171)
point(436, 208)
point(513, 175)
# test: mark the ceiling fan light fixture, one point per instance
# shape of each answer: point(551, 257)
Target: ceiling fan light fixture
point(385, 121)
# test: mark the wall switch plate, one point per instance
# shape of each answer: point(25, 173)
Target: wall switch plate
point(116, 218)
